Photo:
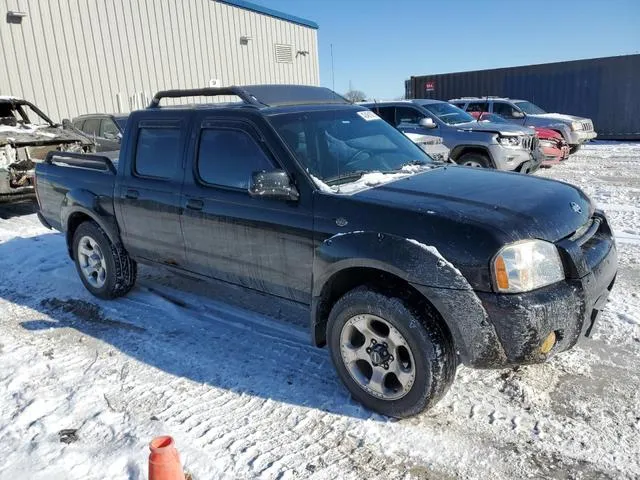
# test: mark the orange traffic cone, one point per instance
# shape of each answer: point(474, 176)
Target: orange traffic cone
point(164, 462)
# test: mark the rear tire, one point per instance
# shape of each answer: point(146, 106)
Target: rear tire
point(392, 358)
point(473, 159)
point(105, 268)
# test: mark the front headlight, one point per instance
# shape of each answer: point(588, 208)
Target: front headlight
point(576, 126)
point(510, 141)
point(548, 143)
point(526, 266)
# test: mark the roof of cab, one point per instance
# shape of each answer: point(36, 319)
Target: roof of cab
point(262, 97)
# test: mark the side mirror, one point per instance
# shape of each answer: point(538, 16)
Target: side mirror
point(427, 122)
point(274, 184)
point(517, 114)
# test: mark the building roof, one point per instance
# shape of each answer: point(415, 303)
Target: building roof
point(270, 12)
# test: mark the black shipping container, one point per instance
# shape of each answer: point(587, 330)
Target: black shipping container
point(606, 90)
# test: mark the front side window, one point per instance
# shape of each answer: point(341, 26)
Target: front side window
point(158, 152)
point(530, 108)
point(229, 157)
point(108, 129)
point(504, 109)
point(344, 144)
point(477, 107)
point(92, 127)
point(408, 115)
point(387, 114)
point(449, 114)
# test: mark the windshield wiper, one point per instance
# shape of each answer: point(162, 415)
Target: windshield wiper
point(346, 177)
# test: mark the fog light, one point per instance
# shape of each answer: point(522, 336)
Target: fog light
point(548, 343)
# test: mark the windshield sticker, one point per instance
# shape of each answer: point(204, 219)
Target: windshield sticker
point(368, 115)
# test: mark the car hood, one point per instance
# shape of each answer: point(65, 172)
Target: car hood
point(513, 206)
point(561, 117)
point(501, 128)
point(547, 134)
point(20, 136)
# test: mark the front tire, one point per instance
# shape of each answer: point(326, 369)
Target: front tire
point(574, 149)
point(477, 160)
point(393, 359)
point(105, 268)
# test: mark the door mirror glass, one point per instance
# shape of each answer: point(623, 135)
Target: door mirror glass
point(427, 122)
point(275, 184)
point(517, 114)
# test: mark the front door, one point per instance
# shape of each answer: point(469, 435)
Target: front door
point(149, 192)
point(260, 243)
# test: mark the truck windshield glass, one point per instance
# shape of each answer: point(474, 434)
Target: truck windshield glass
point(449, 114)
point(529, 108)
point(341, 145)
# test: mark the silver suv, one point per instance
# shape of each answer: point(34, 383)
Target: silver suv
point(575, 130)
point(472, 143)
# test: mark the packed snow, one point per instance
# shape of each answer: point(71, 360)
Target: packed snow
point(86, 384)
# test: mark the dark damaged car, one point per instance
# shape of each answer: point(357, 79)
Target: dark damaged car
point(26, 136)
point(408, 266)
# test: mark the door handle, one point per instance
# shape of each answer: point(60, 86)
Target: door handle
point(132, 194)
point(195, 204)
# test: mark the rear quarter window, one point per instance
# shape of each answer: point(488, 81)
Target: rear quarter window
point(158, 152)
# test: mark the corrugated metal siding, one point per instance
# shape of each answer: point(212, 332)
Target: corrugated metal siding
point(71, 57)
point(603, 89)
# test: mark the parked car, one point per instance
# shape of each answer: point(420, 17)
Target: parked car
point(26, 136)
point(473, 144)
point(408, 266)
point(105, 129)
point(574, 130)
point(551, 143)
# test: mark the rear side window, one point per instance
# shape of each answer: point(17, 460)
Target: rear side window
point(158, 152)
point(228, 157)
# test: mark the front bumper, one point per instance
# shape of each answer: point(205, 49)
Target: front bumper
point(511, 159)
point(494, 330)
point(569, 309)
point(578, 137)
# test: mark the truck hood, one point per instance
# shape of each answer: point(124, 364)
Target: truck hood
point(512, 206)
point(547, 134)
point(501, 128)
point(29, 135)
point(560, 117)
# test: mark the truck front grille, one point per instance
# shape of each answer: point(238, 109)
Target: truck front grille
point(530, 143)
point(587, 126)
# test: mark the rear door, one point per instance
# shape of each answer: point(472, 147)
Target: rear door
point(149, 189)
point(260, 243)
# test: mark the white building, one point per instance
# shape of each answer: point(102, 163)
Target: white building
point(71, 57)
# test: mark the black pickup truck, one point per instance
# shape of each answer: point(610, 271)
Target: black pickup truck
point(409, 267)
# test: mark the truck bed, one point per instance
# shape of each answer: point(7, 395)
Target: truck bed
point(65, 176)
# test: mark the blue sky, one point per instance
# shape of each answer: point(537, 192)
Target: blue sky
point(377, 44)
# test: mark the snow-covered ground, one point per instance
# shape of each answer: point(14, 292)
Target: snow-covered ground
point(231, 375)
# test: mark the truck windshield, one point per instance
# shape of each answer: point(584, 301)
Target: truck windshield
point(529, 108)
point(338, 146)
point(449, 114)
